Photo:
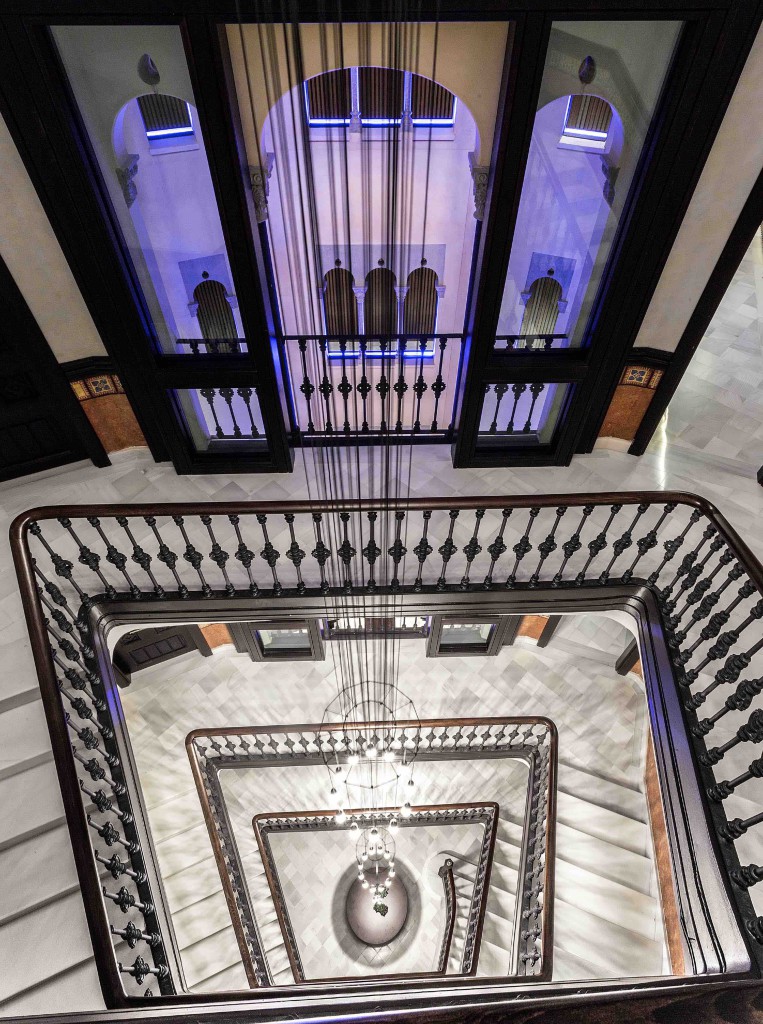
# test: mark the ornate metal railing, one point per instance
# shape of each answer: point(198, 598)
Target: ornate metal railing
point(485, 814)
point(211, 346)
point(356, 386)
point(702, 653)
point(532, 739)
point(451, 905)
point(528, 342)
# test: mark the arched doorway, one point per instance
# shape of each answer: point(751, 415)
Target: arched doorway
point(542, 309)
point(381, 302)
point(420, 307)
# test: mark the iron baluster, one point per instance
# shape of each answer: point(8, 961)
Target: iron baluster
point(401, 386)
point(115, 557)
point(523, 546)
point(547, 546)
point(325, 389)
point(447, 549)
point(535, 391)
point(420, 386)
point(346, 551)
point(722, 790)
point(423, 549)
point(192, 555)
point(167, 556)
point(740, 700)
point(345, 388)
point(294, 552)
point(517, 391)
point(473, 547)
point(371, 551)
point(88, 557)
point(306, 387)
point(750, 732)
point(117, 868)
point(269, 553)
point(133, 935)
point(499, 391)
point(227, 396)
point(623, 542)
point(246, 395)
point(62, 566)
point(597, 545)
point(244, 554)
point(729, 673)
point(687, 562)
point(573, 545)
point(363, 387)
point(209, 394)
point(496, 549)
point(397, 552)
point(141, 557)
point(438, 385)
point(218, 556)
point(321, 553)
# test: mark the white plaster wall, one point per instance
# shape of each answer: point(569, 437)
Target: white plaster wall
point(734, 163)
point(34, 258)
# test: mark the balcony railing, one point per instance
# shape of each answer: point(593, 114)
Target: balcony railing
point(670, 558)
point(355, 387)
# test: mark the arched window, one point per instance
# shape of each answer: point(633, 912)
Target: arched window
point(381, 302)
point(420, 309)
point(542, 307)
point(214, 313)
point(339, 303)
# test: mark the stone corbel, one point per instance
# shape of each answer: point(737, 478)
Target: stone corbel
point(259, 179)
point(480, 178)
point(125, 174)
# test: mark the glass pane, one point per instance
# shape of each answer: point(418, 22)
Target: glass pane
point(600, 89)
point(284, 639)
point(134, 94)
point(222, 419)
point(471, 634)
point(521, 414)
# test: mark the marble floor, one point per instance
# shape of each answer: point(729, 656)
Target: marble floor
point(718, 407)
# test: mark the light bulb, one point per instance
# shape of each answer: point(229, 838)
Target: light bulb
point(392, 873)
point(393, 825)
point(365, 884)
point(371, 752)
point(341, 817)
point(405, 810)
point(411, 783)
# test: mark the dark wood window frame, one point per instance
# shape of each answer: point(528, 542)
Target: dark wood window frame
point(38, 107)
point(502, 634)
point(246, 640)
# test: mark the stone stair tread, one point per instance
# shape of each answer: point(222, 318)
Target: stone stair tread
point(569, 967)
point(228, 980)
point(590, 786)
point(199, 920)
point(42, 868)
point(606, 900)
point(619, 952)
point(602, 823)
point(78, 989)
point(494, 960)
point(210, 956)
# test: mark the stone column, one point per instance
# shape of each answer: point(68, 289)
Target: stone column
point(401, 292)
point(360, 298)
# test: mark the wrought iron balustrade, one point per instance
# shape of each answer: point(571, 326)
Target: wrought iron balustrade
point(211, 346)
point(528, 342)
point(531, 739)
point(76, 562)
point(400, 386)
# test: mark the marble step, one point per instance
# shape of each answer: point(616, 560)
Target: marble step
point(612, 950)
point(192, 884)
point(206, 917)
point(210, 956)
point(577, 782)
point(31, 803)
point(228, 980)
point(494, 960)
point(608, 901)
point(24, 739)
point(42, 945)
point(601, 823)
point(569, 967)
point(77, 988)
point(617, 863)
point(35, 872)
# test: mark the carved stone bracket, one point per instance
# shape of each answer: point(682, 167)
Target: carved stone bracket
point(125, 174)
point(480, 177)
point(259, 178)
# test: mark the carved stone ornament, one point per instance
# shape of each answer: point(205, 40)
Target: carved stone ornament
point(260, 181)
point(125, 174)
point(587, 70)
point(480, 176)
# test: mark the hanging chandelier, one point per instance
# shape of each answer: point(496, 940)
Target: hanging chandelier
point(369, 741)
